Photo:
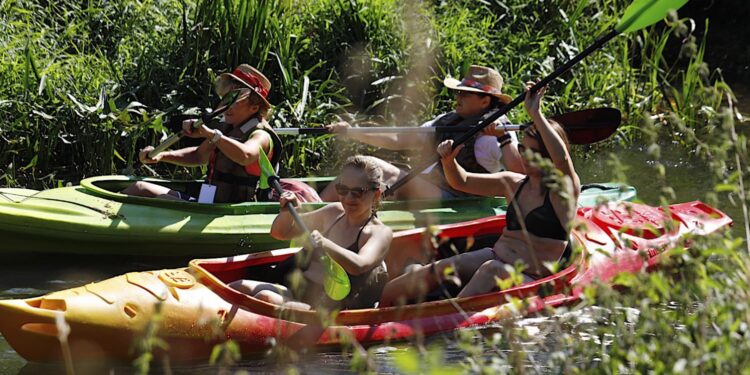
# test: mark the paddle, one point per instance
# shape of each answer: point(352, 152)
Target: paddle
point(336, 283)
point(639, 14)
point(226, 102)
point(583, 127)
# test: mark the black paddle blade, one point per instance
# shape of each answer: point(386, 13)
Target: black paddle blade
point(589, 126)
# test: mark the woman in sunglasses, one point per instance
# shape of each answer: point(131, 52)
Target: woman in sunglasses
point(231, 149)
point(349, 232)
point(538, 219)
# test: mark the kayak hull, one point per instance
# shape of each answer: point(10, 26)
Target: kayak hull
point(192, 308)
point(94, 219)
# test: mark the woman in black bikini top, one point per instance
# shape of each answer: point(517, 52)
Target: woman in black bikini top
point(353, 216)
point(540, 237)
point(541, 221)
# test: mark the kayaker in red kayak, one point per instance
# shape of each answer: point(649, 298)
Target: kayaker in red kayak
point(477, 95)
point(231, 150)
point(539, 216)
point(348, 231)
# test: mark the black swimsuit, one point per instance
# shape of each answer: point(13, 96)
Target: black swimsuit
point(541, 221)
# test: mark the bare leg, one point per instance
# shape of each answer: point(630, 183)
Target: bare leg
point(267, 292)
point(422, 279)
point(149, 190)
point(484, 280)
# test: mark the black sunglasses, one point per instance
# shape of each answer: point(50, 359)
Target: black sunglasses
point(522, 149)
point(356, 192)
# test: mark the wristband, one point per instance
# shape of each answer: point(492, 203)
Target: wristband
point(503, 144)
point(216, 137)
point(504, 137)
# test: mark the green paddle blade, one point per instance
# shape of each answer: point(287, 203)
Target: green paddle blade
point(336, 283)
point(266, 169)
point(642, 13)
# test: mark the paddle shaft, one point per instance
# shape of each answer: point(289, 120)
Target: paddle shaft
point(391, 129)
point(227, 102)
point(174, 138)
point(506, 108)
point(274, 181)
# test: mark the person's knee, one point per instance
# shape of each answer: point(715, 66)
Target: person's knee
point(239, 286)
point(270, 297)
point(493, 267)
point(140, 188)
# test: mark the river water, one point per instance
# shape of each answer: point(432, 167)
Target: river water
point(25, 277)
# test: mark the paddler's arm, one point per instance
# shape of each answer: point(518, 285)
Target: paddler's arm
point(508, 149)
point(556, 148)
point(284, 227)
point(485, 184)
point(370, 254)
point(241, 153)
point(393, 141)
point(188, 156)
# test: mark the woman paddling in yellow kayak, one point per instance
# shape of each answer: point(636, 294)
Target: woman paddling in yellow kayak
point(349, 232)
point(231, 149)
point(538, 218)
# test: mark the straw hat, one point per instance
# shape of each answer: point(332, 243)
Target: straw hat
point(480, 79)
point(246, 76)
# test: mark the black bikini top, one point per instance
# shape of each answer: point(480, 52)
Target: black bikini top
point(541, 221)
point(355, 246)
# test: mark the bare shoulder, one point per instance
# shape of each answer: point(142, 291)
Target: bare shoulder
point(325, 216)
point(510, 179)
point(376, 229)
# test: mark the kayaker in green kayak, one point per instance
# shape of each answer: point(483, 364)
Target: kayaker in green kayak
point(539, 217)
point(349, 232)
point(477, 95)
point(231, 149)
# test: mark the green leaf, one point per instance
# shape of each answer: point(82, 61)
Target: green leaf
point(406, 361)
point(643, 13)
point(117, 155)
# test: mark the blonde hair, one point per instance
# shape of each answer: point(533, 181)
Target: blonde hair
point(373, 173)
point(366, 165)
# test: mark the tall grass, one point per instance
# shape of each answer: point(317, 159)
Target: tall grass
point(104, 78)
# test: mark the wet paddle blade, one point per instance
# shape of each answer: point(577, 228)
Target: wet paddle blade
point(589, 126)
point(643, 13)
point(266, 169)
point(336, 283)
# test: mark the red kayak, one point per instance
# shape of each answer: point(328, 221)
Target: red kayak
point(107, 317)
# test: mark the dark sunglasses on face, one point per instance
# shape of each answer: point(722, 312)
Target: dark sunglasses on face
point(522, 149)
point(356, 192)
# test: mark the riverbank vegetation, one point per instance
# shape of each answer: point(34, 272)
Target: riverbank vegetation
point(82, 88)
point(86, 86)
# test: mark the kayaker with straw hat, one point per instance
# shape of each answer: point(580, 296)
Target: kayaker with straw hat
point(477, 95)
point(538, 222)
point(230, 149)
point(349, 232)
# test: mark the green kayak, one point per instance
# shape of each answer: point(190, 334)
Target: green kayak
point(94, 218)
